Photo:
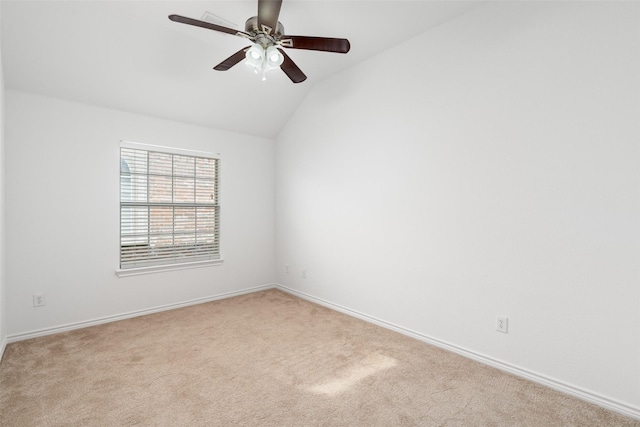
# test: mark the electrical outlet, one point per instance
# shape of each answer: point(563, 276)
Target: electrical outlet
point(304, 274)
point(38, 299)
point(286, 268)
point(502, 324)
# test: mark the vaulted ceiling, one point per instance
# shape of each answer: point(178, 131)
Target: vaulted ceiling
point(128, 55)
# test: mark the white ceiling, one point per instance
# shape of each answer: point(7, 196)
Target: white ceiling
point(128, 55)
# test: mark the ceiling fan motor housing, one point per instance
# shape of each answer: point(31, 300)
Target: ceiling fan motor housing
point(264, 36)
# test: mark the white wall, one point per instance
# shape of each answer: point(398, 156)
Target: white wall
point(488, 167)
point(3, 332)
point(62, 213)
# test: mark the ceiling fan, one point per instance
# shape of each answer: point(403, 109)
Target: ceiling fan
point(267, 35)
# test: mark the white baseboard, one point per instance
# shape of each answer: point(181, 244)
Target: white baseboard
point(123, 316)
point(561, 386)
point(3, 345)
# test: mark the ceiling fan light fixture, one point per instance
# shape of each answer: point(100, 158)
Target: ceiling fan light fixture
point(262, 60)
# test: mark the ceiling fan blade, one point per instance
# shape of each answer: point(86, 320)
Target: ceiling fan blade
point(203, 24)
point(268, 12)
point(325, 44)
point(232, 60)
point(291, 69)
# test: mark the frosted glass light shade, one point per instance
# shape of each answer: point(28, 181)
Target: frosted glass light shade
point(274, 57)
point(255, 56)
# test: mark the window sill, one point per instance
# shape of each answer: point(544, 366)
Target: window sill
point(160, 268)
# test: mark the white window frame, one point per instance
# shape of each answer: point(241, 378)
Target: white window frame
point(131, 271)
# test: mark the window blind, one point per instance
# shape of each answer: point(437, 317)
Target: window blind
point(169, 211)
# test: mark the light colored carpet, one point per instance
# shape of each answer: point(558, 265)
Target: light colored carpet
point(266, 359)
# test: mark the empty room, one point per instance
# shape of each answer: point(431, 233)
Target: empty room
point(320, 213)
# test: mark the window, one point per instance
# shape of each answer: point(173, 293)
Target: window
point(169, 210)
